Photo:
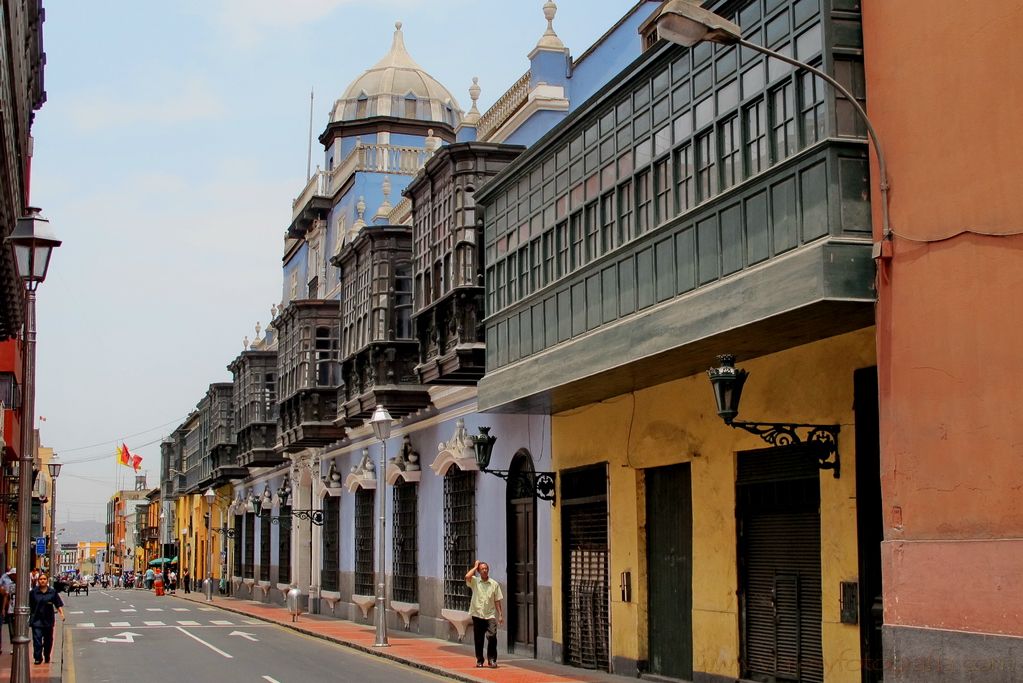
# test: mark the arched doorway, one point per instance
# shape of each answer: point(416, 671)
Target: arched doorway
point(521, 516)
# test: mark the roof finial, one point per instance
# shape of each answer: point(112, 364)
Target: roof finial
point(397, 26)
point(385, 205)
point(549, 39)
point(360, 209)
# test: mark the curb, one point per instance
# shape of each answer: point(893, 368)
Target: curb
point(376, 652)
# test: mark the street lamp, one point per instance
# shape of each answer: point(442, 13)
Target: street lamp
point(32, 244)
point(381, 422)
point(684, 23)
point(207, 585)
point(163, 545)
point(54, 467)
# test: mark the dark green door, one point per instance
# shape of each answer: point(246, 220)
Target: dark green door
point(669, 529)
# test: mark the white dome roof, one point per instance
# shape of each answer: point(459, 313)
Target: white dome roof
point(397, 86)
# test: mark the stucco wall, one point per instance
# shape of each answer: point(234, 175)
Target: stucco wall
point(676, 422)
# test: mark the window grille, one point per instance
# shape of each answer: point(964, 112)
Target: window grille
point(284, 543)
point(459, 535)
point(331, 538)
point(405, 571)
point(250, 546)
point(364, 542)
point(264, 547)
point(237, 545)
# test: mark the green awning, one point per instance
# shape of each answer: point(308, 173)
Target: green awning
point(162, 561)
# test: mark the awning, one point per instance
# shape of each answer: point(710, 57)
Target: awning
point(162, 561)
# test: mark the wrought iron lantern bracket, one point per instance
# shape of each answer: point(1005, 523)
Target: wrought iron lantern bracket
point(823, 437)
point(227, 531)
point(541, 484)
point(314, 516)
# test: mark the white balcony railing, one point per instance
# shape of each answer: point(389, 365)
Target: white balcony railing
point(501, 111)
point(316, 187)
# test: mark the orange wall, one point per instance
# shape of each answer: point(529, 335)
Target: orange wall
point(946, 101)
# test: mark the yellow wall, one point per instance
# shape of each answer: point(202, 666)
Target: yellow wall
point(677, 422)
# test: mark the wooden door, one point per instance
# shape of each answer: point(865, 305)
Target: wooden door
point(521, 555)
point(669, 528)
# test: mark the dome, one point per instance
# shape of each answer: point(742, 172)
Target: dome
point(397, 86)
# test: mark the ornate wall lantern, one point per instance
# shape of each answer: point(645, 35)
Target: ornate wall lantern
point(542, 484)
point(727, 382)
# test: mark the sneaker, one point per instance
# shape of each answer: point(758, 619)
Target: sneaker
point(39, 661)
point(492, 663)
point(479, 665)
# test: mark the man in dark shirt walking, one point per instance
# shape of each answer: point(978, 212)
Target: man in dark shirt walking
point(43, 601)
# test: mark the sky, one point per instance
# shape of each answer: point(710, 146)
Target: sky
point(171, 145)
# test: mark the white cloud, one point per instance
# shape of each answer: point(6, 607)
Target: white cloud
point(187, 102)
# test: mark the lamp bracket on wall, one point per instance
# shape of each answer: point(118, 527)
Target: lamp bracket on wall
point(227, 531)
point(314, 516)
point(824, 437)
point(541, 485)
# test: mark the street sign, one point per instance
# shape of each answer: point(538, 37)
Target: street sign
point(41, 545)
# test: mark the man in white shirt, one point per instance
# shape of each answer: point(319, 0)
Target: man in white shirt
point(485, 610)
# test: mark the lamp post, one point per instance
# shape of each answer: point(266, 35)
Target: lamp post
point(54, 468)
point(381, 422)
point(163, 544)
point(684, 23)
point(207, 586)
point(32, 243)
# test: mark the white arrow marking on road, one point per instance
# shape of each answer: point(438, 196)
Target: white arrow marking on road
point(246, 636)
point(212, 647)
point(128, 637)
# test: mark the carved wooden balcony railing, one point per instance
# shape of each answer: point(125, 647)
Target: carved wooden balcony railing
point(255, 408)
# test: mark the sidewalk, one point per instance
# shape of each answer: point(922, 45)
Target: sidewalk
point(44, 673)
point(454, 660)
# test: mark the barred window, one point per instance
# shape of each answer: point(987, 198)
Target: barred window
point(731, 149)
point(364, 542)
point(284, 544)
point(264, 547)
point(248, 570)
point(405, 570)
point(330, 539)
point(238, 545)
point(755, 117)
point(459, 535)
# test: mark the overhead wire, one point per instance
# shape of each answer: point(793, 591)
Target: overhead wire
point(120, 438)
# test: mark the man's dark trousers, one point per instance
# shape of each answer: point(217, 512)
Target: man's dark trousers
point(488, 627)
point(42, 642)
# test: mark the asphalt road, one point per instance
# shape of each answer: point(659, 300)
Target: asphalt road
point(128, 636)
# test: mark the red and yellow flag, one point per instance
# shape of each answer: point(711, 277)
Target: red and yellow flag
point(136, 462)
point(123, 456)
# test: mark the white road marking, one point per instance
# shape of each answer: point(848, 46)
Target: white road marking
point(212, 647)
point(189, 623)
point(154, 623)
point(207, 609)
point(77, 612)
point(120, 623)
point(270, 680)
point(243, 634)
point(154, 609)
point(251, 621)
point(129, 610)
point(127, 637)
point(221, 622)
point(85, 624)
point(180, 609)
point(102, 611)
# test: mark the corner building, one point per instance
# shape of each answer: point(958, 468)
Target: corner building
point(701, 202)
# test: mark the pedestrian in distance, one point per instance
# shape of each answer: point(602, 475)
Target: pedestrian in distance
point(187, 580)
point(172, 580)
point(44, 604)
point(486, 611)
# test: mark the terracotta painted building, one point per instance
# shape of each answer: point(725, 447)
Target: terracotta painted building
point(945, 95)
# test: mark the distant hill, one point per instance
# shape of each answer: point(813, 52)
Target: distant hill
point(80, 531)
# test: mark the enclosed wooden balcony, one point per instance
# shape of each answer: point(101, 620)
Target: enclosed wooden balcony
point(447, 260)
point(378, 350)
point(216, 419)
point(307, 375)
point(255, 408)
